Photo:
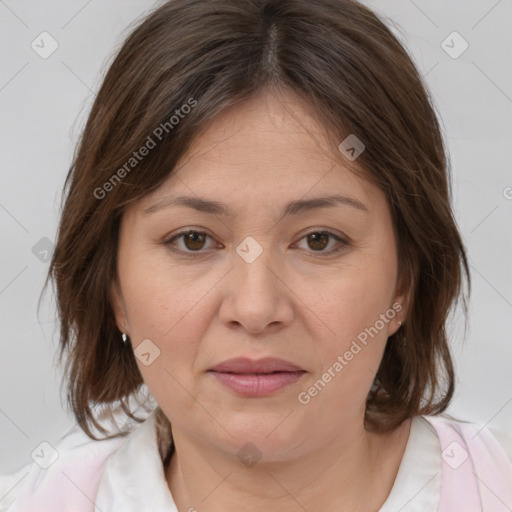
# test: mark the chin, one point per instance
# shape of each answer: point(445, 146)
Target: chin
point(267, 438)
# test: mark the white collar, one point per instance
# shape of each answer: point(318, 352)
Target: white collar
point(133, 477)
point(418, 481)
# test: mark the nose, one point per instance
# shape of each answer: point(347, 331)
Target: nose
point(256, 296)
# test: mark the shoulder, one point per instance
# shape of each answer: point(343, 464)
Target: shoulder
point(60, 476)
point(476, 465)
point(476, 435)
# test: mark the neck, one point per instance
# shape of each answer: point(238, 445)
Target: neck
point(333, 477)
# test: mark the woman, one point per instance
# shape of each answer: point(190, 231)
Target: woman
point(257, 228)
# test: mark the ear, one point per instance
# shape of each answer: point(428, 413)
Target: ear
point(118, 306)
point(401, 300)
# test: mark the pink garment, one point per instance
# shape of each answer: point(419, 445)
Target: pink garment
point(70, 484)
point(476, 474)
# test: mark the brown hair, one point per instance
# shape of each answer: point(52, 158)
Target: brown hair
point(356, 77)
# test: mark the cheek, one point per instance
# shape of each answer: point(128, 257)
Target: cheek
point(166, 306)
point(163, 304)
point(351, 310)
point(354, 301)
point(161, 297)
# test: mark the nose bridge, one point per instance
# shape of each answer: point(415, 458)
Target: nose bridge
point(256, 298)
point(255, 262)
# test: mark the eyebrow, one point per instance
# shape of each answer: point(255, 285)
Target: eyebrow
point(292, 208)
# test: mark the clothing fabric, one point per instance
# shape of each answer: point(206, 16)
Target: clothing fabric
point(447, 466)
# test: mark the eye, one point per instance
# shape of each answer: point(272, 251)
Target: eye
point(318, 240)
point(193, 241)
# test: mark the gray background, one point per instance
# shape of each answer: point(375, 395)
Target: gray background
point(44, 103)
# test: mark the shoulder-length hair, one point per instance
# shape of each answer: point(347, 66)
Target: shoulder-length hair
point(180, 67)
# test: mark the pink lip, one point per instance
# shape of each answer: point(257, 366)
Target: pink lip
point(257, 377)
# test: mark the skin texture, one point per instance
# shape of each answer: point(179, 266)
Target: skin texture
point(293, 301)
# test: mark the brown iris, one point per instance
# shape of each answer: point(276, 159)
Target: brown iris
point(194, 240)
point(318, 240)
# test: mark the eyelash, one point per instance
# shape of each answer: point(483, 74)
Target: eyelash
point(342, 243)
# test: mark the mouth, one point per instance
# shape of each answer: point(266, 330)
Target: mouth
point(257, 378)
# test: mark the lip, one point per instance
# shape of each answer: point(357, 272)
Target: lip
point(246, 365)
point(261, 377)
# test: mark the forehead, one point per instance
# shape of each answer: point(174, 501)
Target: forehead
point(264, 151)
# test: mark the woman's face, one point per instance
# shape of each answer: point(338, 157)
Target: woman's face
point(257, 279)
